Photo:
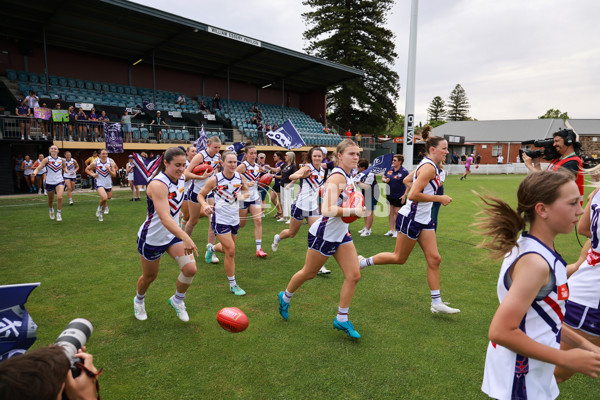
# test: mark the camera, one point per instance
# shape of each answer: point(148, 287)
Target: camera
point(548, 151)
point(73, 338)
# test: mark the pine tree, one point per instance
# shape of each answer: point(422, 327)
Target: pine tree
point(458, 105)
point(437, 109)
point(352, 32)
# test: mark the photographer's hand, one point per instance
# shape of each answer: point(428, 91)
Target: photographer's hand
point(531, 164)
point(84, 386)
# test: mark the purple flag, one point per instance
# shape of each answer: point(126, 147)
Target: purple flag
point(113, 137)
point(145, 168)
point(200, 144)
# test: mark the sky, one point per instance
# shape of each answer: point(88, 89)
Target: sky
point(515, 59)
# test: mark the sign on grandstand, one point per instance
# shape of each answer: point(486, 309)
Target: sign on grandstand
point(234, 36)
point(84, 106)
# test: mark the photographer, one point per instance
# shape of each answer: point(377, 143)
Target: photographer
point(566, 146)
point(45, 374)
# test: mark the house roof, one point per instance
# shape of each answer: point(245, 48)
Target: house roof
point(585, 126)
point(130, 32)
point(501, 130)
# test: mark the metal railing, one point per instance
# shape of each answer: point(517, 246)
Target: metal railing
point(24, 128)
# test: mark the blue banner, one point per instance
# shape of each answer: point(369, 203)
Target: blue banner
point(17, 329)
point(380, 164)
point(236, 147)
point(113, 136)
point(287, 136)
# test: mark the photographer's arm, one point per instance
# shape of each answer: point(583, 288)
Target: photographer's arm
point(84, 386)
point(532, 164)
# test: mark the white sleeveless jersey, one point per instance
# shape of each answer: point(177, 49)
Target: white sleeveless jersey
point(42, 170)
point(421, 211)
point(307, 198)
point(54, 171)
point(333, 229)
point(70, 168)
point(27, 171)
point(130, 174)
point(104, 178)
point(152, 231)
point(252, 174)
point(213, 161)
point(227, 209)
point(584, 284)
point(508, 374)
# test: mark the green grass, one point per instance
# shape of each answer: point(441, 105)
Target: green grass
point(89, 269)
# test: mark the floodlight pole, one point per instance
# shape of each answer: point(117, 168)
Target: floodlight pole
point(409, 120)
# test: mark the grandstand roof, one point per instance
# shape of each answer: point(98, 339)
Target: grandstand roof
point(130, 31)
point(502, 130)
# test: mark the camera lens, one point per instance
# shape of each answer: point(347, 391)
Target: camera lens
point(75, 336)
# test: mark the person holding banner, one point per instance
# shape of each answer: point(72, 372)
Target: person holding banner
point(229, 189)
point(209, 156)
point(71, 175)
point(157, 122)
point(414, 223)
point(160, 233)
point(54, 180)
point(396, 191)
point(306, 206)
point(126, 124)
point(329, 236)
point(103, 118)
point(250, 169)
point(102, 170)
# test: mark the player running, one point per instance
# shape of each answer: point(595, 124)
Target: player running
point(71, 175)
point(161, 233)
point(229, 188)
point(103, 169)
point(55, 183)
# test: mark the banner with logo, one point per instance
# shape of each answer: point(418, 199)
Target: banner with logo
point(113, 136)
point(17, 329)
point(42, 113)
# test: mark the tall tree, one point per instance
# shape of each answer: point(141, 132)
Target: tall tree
point(458, 105)
point(552, 113)
point(352, 32)
point(437, 109)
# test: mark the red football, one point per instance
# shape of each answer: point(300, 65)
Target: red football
point(232, 319)
point(265, 180)
point(201, 169)
point(321, 191)
point(355, 199)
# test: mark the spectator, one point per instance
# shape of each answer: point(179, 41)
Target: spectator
point(261, 134)
point(159, 121)
point(348, 134)
point(253, 108)
point(72, 119)
point(58, 125)
point(45, 374)
point(92, 158)
point(181, 99)
point(82, 128)
point(454, 158)
point(93, 117)
point(463, 158)
point(254, 120)
point(126, 124)
point(396, 191)
point(500, 159)
point(275, 127)
point(101, 120)
point(202, 107)
point(32, 102)
point(357, 137)
point(44, 125)
point(217, 102)
point(478, 158)
point(22, 112)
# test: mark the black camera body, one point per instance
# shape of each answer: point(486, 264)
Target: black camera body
point(548, 151)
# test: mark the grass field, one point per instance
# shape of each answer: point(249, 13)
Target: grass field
point(89, 269)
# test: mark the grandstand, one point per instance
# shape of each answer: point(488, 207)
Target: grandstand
point(115, 54)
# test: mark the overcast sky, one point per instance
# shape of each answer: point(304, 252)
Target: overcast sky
point(514, 58)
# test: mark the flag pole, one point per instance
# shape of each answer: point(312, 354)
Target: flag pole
point(409, 120)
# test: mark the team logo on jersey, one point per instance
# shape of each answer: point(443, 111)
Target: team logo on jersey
point(563, 292)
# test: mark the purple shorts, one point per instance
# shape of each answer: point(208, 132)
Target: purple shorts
point(193, 197)
point(245, 205)
point(152, 253)
point(324, 247)
point(50, 188)
point(299, 214)
point(412, 228)
point(219, 229)
point(467, 167)
point(70, 179)
point(585, 319)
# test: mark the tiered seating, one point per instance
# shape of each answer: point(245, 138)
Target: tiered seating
point(311, 131)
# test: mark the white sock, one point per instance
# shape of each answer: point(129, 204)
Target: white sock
point(258, 245)
point(232, 281)
point(99, 208)
point(366, 262)
point(179, 297)
point(211, 247)
point(436, 297)
point(276, 239)
point(342, 315)
point(51, 209)
point(139, 298)
point(287, 296)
